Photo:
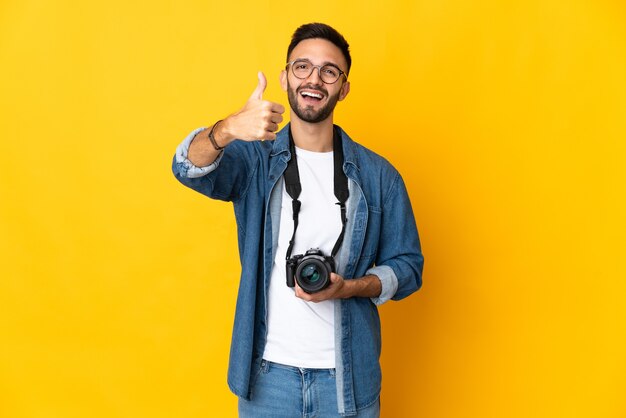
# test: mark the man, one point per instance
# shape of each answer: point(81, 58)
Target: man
point(298, 350)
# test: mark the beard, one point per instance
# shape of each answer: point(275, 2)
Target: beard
point(308, 113)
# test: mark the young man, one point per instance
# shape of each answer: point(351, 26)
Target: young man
point(310, 348)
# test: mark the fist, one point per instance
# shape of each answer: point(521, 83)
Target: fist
point(258, 119)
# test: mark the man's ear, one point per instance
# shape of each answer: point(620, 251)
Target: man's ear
point(283, 80)
point(345, 89)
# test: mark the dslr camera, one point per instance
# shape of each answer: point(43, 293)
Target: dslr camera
point(311, 271)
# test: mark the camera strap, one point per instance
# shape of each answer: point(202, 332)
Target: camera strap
point(293, 187)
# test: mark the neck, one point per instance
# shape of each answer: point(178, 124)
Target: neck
point(316, 137)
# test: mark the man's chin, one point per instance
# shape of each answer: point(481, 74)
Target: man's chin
point(308, 112)
point(312, 118)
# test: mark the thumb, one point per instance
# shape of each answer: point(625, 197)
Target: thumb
point(334, 277)
point(260, 88)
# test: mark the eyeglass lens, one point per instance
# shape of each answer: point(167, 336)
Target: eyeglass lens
point(303, 69)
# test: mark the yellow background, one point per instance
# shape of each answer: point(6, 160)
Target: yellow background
point(507, 120)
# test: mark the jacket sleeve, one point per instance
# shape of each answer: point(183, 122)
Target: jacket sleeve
point(399, 261)
point(227, 178)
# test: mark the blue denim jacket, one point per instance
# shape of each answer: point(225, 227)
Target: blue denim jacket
point(381, 239)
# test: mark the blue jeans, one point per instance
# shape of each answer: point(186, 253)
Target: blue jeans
point(281, 391)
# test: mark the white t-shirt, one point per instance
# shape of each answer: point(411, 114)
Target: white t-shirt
point(301, 333)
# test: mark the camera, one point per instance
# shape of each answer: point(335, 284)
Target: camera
point(311, 271)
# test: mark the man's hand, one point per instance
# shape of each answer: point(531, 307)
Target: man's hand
point(333, 291)
point(339, 288)
point(258, 119)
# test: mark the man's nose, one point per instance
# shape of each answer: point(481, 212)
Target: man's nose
point(315, 76)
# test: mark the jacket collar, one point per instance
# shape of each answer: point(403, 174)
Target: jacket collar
point(281, 146)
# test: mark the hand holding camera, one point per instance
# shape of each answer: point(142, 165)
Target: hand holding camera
point(337, 289)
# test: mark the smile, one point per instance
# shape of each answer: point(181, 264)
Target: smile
point(310, 95)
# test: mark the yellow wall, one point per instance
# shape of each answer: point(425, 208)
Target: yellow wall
point(506, 118)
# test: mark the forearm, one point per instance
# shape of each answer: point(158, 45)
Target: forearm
point(366, 287)
point(201, 151)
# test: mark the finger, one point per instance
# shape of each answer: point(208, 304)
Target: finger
point(267, 136)
point(272, 127)
point(257, 94)
point(302, 294)
point(277, 108)
point(276, 118)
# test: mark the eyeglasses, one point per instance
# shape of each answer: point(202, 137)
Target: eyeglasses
point(329, 73)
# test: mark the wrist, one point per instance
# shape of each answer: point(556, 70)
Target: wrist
point(222, 133)
point(348, 289)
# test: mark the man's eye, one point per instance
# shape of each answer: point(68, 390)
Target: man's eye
point(302, 66)
point(330, 71)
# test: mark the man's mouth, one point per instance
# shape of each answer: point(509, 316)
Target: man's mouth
point(311, 96)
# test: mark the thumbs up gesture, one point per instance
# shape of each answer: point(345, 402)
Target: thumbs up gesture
point(258, 119)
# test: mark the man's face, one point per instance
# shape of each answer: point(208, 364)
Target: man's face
point(307, 108)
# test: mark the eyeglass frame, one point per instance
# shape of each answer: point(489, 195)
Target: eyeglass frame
point(319, 70)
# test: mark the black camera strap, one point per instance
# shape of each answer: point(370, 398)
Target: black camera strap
point(293, 186)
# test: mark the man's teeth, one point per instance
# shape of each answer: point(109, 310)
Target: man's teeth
point(316, 95)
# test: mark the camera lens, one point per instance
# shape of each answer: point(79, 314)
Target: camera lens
point(313, 274)
point(310, 273)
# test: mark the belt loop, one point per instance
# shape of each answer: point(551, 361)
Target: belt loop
point(265, 365)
